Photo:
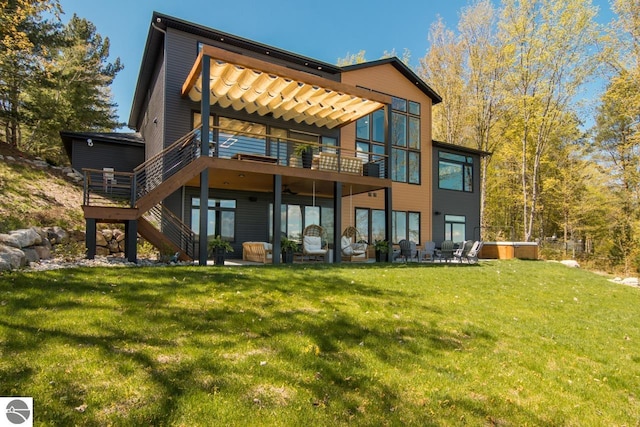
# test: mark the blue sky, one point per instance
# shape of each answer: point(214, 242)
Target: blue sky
point(324, 30)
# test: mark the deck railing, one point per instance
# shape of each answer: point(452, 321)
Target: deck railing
point(106, 187)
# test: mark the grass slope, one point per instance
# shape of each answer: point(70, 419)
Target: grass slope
point(32, 196)
point(505, 343)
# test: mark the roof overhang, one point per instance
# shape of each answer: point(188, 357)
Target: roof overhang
point(461, 148)
point(256, 86)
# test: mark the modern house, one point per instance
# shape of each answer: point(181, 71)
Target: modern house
point(288, 141)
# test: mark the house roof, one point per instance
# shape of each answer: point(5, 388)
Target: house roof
point(153, 48)
point(461, 148)
point(404, 70)
point(110, 137)
point(161, 22)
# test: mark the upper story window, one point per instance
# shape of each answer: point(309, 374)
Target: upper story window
point(455, 172)
point(405, 141)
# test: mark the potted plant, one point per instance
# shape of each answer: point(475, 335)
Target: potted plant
point(218, 249)
point(305, 151)
point(382, 249)
point(288, 247)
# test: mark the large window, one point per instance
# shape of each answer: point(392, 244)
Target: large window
point(406, 225)
point(455, 172)
point(371, 223)
point(455, 228)
point(221, 218)
point(370, 138)
point(294, 219)
point(405, 139)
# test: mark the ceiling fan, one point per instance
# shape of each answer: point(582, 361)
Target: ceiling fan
point(288, 191)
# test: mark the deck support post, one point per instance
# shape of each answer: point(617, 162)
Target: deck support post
point(277, 221)
point(90, 237)
point(337, 221)
point(204, 152)
point(131, 240)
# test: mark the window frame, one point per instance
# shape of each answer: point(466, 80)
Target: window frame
point(216, 205)
point(466, 164)
point(410, 143)
point(449, 221)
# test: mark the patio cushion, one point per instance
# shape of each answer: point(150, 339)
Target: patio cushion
point(345, 244)
point(313, 245)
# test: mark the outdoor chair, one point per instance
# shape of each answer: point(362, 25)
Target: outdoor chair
point(446, 251)
point(473, 253)
point(352, 245)
point(429, 251)
point(408, 249)
point(109, 179)
point(312, 242)
point(461, 252)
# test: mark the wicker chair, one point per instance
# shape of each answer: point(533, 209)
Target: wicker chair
point(312, 242)
point(351, 246)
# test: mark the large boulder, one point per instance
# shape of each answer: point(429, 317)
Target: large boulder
point(570, 263)
point(57, 235)
point(118, 235)
point(31, 254)
point(102, 251)
point(108, 234)
point(9, 240)
point(4, 265)
point(113, 246)
point(13, 256)
point(100, 240)
point(44, 252)
point(26, 237)
point(77, 236)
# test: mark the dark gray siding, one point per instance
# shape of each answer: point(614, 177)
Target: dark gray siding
point(182, 51)
point(449, 202)
point(121, 157)
point(152, 125)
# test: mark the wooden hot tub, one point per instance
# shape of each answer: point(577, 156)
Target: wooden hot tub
point(509, 250)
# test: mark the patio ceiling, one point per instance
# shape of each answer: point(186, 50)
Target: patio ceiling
point(256, 86)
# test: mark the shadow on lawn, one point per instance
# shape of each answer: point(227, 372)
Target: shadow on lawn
point(217, 324)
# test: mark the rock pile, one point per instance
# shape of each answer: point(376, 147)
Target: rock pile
point(109, 242)
point(18, 248)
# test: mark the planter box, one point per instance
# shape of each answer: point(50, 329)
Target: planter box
point(371, 169)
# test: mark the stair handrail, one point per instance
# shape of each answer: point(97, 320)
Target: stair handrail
point(183, 237)
point(164, 164)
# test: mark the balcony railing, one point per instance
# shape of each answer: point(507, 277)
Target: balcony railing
point(246, 145)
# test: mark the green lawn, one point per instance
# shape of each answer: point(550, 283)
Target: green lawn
point(504, 343)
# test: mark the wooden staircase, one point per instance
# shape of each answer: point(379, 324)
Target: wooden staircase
point(111, 196)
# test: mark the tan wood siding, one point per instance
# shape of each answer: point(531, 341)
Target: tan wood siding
point(406, 197)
